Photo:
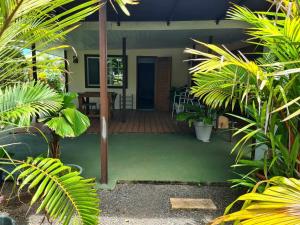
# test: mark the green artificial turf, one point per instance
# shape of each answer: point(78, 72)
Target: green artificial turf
point(142, 157)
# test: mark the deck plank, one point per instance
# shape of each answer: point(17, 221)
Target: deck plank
point(141, 122)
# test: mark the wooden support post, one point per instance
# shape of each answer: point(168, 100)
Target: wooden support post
point(34, 69)
point(124, 80)
point(103, 94)
point(66, 71)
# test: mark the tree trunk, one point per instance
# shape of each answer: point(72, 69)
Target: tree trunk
point(54, 145)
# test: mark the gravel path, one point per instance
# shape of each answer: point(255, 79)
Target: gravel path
point(148, 204)
point(141, 204)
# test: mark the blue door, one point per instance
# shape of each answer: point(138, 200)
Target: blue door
point(145, 82)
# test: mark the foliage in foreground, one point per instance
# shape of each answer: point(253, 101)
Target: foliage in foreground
point(23, 24)
point(266, 90)
point(20, 102)
point(278, 204)
point(63, 194)
point(122, 4)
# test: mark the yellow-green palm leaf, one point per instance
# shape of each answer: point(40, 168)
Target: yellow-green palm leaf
point(20, 102)
point(122, 4)
point(279, 204)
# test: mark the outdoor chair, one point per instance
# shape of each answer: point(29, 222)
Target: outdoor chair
point(179, 100)
point(89, 107)
point(182, 98)
point(129, 101)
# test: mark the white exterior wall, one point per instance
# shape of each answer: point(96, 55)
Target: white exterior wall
point(180, 72)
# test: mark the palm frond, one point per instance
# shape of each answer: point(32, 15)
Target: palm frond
point(69, 123)
point(27, 22)
point(278, 204)
point(63, 194)
point(267, 89)
point(20, 102)
point(122, 4)
point(223, 77)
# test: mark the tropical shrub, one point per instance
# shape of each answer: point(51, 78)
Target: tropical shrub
point(64, 195)
point(23, 23)
point(266, 90)
point(61, 191)
point(51, 70)
point(66, 122)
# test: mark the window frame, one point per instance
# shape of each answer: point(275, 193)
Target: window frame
point(87, 85)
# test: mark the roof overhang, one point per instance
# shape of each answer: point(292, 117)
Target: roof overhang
point(175, 10)
point(141, 35)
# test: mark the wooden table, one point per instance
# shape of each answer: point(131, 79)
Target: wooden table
point(84, 98)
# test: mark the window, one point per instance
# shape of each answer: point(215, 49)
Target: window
point(115, 76)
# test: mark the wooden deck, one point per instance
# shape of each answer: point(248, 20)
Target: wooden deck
point(142, 122)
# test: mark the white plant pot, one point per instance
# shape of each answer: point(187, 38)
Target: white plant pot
point(203, 131)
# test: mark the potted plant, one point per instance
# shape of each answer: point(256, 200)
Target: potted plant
point(201, 118)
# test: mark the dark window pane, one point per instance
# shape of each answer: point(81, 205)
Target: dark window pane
point(93, 71)
point(114, 71)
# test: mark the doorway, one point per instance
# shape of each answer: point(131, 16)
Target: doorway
point(145, 82)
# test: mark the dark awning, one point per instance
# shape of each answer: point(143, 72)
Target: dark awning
point(177, 10)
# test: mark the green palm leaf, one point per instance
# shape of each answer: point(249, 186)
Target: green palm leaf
point(63, 194)
point(69, 123)
point(19, 103)
point(40, 22)
point(278, 204)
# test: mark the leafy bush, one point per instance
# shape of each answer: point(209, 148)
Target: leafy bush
point(267, 90)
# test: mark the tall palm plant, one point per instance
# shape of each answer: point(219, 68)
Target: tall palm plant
point(267, 90)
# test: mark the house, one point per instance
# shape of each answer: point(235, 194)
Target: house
point(145, 52)
point(156, 33)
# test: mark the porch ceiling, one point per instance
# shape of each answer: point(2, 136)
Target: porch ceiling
point(203, 18)
point(88, 39)
point(178, 10)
